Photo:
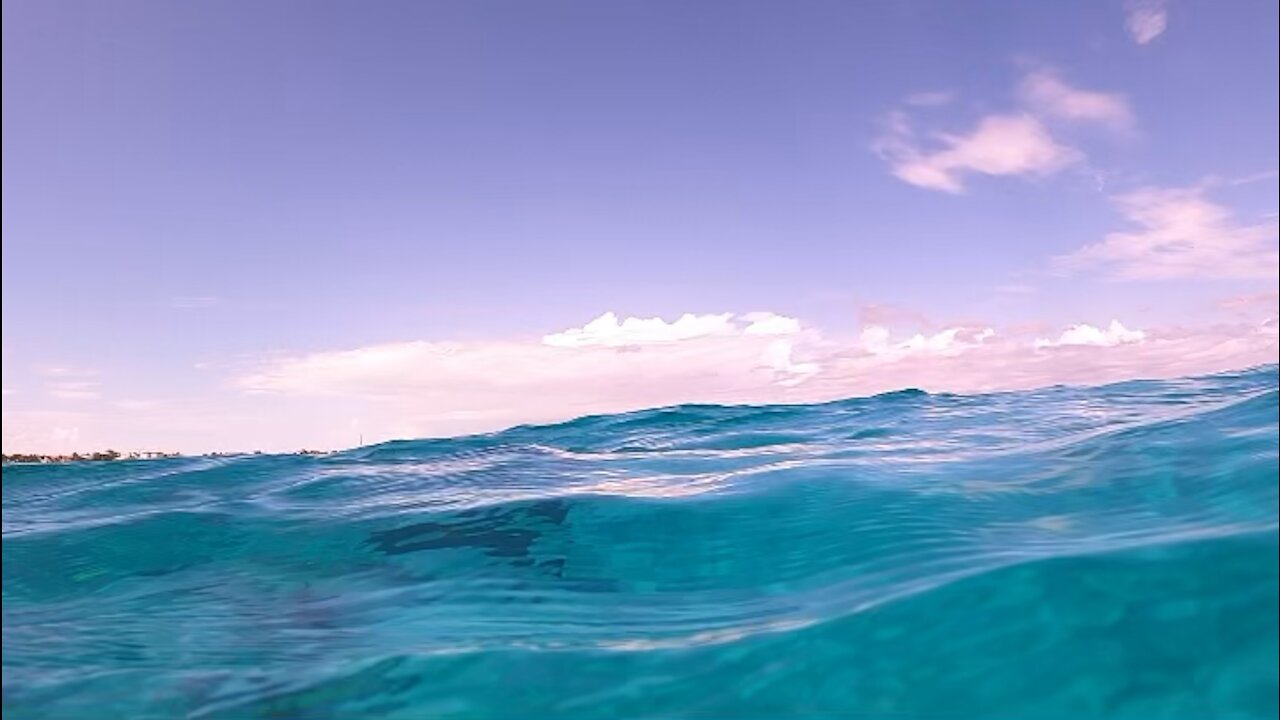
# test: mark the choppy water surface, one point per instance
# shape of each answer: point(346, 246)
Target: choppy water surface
point(1104, 552)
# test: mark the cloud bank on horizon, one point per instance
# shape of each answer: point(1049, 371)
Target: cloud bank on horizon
point(1054, 131)
point(426, 389)
point(711, 358)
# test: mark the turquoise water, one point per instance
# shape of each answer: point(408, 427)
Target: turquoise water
point(1064, 553)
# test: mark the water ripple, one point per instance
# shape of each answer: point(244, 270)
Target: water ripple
point(1067, 552)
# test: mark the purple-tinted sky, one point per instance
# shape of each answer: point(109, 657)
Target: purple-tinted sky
point(268, 224)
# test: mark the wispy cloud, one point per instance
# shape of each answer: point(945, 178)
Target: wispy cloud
point(1146, 20)
point(1180, 233)
point(998, 145)
point(65, 371)
point(1268, 300)
point(608, 349)
point(1251, 178)
point(73, 390)
point(1046, 94)
point(1014, 143)
point(135, 404)
point(66, 382)
point(1251, 306)
point(42, 430)
point(892, 316)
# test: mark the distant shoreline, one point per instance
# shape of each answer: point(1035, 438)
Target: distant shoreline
point(112, 456)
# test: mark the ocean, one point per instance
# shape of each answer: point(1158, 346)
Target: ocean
point(1106, 552)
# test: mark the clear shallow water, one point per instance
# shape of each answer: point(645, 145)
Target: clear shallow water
point(1106, 552)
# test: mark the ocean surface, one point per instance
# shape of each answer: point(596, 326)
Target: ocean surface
point(1063, 553)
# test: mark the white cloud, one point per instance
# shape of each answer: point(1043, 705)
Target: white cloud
point(1181, 234)
point(1115, 334)
point(420, 389)
point(778, 356)
point(767, 323)
point(875, 340)
point(1013, 143)
point(999, 145)
point(606, 365)
point(935, 98)
point(1251, 178)
point(1146, 20)
point(938, 342)
point(608, 331)
point(1008, 362)
point(1045, 93)
point(9, 391)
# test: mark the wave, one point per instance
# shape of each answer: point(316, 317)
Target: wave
point(1066, 552)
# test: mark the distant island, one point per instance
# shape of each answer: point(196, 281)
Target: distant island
point(111, 455)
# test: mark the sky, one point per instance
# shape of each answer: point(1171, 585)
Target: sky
point(273, 225)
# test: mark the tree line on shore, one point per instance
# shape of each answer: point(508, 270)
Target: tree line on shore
point(109, 455)
point(86, 457)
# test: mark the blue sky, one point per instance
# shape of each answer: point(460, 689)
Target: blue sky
point(208, 207)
